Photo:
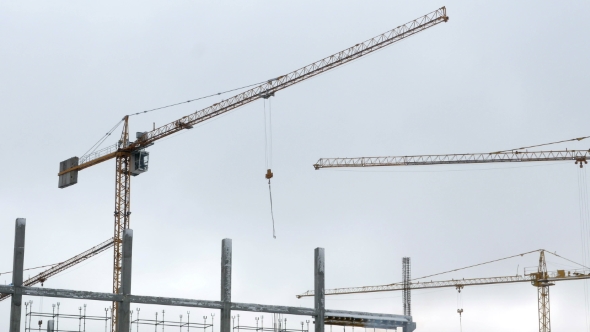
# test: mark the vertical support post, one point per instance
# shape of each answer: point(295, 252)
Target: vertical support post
point(226, 253)
point(50, 327)
point(17, 274)
point(407, 295)
point(124, 307)
point(319, 290)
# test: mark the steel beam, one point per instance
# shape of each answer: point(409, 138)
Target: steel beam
point(226, 255)
point(17, 274)
point(319, 289)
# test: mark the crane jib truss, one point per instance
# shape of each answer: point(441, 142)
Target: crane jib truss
point(542, 279)
point(272, 86)
point(43, 276)
point(559, 275)
point(578, 156)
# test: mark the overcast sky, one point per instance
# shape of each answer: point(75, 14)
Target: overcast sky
point(498, 75)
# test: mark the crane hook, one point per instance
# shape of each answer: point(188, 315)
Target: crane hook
point(268, 174)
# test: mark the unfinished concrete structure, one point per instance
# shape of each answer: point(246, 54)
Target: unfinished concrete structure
point(225, 305)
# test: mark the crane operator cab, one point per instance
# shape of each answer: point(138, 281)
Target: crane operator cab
point(139, 162)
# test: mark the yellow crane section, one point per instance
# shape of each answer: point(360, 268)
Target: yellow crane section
point(558, 275)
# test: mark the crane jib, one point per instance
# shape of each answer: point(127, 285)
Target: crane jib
point(265, 90)
point(579, 157)
point(299, 75)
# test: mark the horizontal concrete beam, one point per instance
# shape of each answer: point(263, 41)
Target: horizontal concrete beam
point(180, 302)
point(109, 297)
point(275, 309)
point(175, 302)
point(368, 315)
point(63, 293)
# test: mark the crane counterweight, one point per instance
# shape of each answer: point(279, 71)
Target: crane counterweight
point(69, 178)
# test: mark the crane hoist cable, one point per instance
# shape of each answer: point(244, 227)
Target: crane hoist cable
point(195, 99)
point(102, 139)
point(584, 234)
point(268, 156)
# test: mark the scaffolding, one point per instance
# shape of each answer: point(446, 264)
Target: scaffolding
point(55, 317)
point(279, 325)
point(161, 322)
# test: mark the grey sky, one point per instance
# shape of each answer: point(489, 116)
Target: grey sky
point(498, 75)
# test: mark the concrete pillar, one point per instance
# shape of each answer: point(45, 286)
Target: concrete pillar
point(319, 290)
point(50, 327)
point(226, 253)
point(17, 274)
point(124, 307)
point(411, 326)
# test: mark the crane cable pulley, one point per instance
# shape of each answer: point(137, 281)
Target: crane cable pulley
point(268, 155)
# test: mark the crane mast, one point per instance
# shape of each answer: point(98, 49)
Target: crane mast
point(129, 154)
point(122, 210)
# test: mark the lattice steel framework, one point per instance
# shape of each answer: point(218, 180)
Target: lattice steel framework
point(406, 274)
point(542, 279)
point(122, 213)
point(559, 275)
point(577, 156)
point(269, 88)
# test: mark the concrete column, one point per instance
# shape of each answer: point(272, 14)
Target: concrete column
point(50, 327)
point(226, 253)
point(124, 307)
point(319, 290)
point(17, 274)
point(411, 326)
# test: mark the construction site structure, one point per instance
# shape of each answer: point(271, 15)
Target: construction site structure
point(132, 159)
point(541, 278)
point(319, 313)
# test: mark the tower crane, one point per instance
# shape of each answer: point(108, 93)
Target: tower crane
point(542, 279)
point(131, 158)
